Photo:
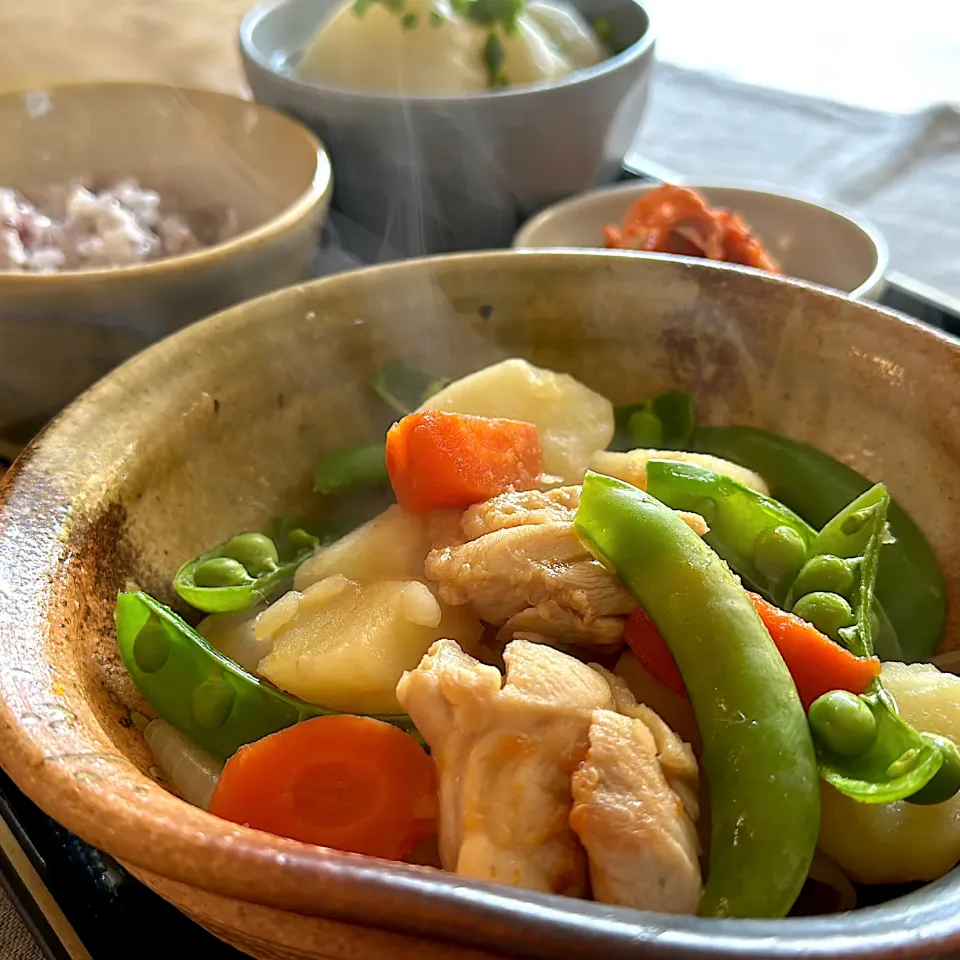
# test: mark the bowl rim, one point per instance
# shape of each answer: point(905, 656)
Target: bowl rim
point(251, 53)
point(200, 849)
point(317, 192)
point(585, 199)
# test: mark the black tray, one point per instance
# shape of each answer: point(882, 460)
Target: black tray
point(82, 904)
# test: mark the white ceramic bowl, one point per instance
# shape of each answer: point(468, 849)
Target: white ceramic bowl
point(814, 243)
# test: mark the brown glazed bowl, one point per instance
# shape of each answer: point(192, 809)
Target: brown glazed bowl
point(217, 428)
point(61, 332)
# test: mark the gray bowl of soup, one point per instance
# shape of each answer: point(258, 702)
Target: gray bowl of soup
point(449, 125)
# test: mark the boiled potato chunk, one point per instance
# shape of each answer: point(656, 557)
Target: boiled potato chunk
point(345, 645)
point(631, 467)
point(233, 634)
point(571, 420)
point(900, 842)
point(391, 546)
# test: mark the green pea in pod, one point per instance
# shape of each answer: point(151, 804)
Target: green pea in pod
point(897, 762)
point(910, 585)
point(765, 543)
point(664, 422)
point(252, 566)
point(196, 689)
point(844, 560)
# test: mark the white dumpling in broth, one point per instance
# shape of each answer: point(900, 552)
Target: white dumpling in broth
point(900, 842)
point(530, 55)
point(569, 31)
point(437, 52)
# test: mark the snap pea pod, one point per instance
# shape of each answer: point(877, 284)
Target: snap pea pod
point(404, 388)
point(763, 541)
point(664, 422)
point(910, 585)
point(757, 750)
point(896, 761)
point(854, 536)
point(250, 567)
point(195, 688)
point(358, 465)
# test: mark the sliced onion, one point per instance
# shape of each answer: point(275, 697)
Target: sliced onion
point(188, 767)
point(827, 890)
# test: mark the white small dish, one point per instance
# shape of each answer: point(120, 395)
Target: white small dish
point(811, 242)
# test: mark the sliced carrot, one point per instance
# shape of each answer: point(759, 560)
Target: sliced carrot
point(439, 460)
point(346, 782)
point(649, 647)
point(816, 663)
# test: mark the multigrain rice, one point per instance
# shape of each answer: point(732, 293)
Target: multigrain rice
point(78, 228)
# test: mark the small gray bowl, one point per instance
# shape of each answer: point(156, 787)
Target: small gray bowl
point(824, 245)
point(434, 174)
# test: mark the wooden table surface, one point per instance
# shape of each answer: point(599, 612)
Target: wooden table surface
point(185, 42)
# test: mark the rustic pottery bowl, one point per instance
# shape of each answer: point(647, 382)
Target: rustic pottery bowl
point(61, 332)
point(431, 174)
point(811, 242)
point(217, 428)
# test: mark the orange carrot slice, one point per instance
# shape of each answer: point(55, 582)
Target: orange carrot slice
point(439, 461)
point(815, 662)
point(649, 647)
point(346, 782)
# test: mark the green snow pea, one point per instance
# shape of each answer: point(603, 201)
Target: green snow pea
point(762, 540)
point(898, 761)
point(358, 465)
point(405, 389)
point(250, 567)
point(197, 690)
point(757, 750)
point(662, 423)
point(897, 764)
point(402, 388)
point(851, 538)
point(910, 586)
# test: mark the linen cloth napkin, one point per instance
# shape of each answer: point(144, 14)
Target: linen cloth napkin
point(901, 171)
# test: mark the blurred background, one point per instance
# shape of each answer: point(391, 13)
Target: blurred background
point(853, 101)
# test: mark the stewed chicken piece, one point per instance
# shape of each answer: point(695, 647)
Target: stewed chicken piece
point(517, 559)
point(535, 767)
point(506, 750)
point(634, 808)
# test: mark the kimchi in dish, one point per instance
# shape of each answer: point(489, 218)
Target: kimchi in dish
point(677, 220)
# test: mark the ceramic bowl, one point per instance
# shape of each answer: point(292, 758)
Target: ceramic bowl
point(218, 427)
point(433, 174)
point(811, 242)
point(59, 333)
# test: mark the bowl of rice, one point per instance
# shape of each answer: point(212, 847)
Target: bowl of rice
point(128, 210)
